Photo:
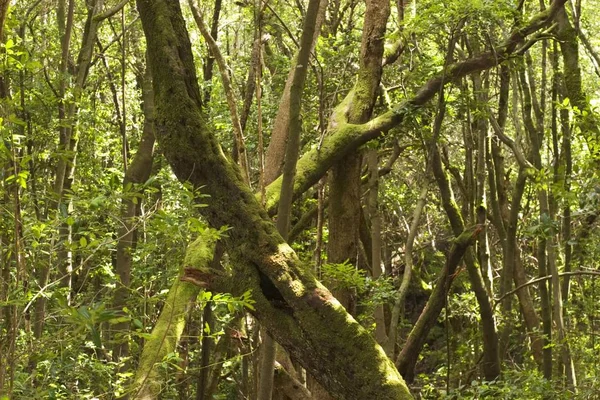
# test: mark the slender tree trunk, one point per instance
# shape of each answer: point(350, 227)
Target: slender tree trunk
point(207, 68)
point(376, 266)
point(275, 154)
point(398, 310)
point(491, 358)
point(407, 358)
point(138, 173)
point(207, 350)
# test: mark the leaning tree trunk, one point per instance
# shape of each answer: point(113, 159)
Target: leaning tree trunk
point(491, 358)
point(416, 339)
point(298, 311)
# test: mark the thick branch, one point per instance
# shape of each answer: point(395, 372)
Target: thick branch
point(345, 138)
point(110, 12)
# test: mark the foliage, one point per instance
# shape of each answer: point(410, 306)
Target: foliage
point(59, 247)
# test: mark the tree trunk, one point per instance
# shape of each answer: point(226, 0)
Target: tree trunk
point(275, 154)
point(491, 357)
point(138, 173)
point(296, 309)
point(407, 358)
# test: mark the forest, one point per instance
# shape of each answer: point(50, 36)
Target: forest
point(299, 200)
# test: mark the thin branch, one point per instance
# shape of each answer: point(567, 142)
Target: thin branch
point(49, 82)
point(521, 159)
point(590, 50)
point(387, 168)
point(227, 86)
point(544, 278)
point(110, 12)
point(290, 34)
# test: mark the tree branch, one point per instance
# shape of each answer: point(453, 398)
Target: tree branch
point(110, 12)
point(544, 278)
point(345, 138)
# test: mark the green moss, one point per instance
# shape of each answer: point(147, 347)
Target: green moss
point(163, 340)
point(200, 252)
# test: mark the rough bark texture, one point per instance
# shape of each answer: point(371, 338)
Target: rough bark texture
point(299, 312)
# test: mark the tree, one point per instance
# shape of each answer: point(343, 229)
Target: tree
point(314, 311)
point(149, 273)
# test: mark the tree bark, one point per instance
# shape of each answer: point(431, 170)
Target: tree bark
point(345, 189)
point(298, 311)
point(292, 151)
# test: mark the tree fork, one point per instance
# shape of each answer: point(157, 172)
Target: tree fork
point(300, 313)
point(344, 138)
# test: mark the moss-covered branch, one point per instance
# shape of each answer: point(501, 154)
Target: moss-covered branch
point(169, 327)
point(345, 138)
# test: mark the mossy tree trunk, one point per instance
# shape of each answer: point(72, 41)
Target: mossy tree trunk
point(345, 186)
point(298, 311)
